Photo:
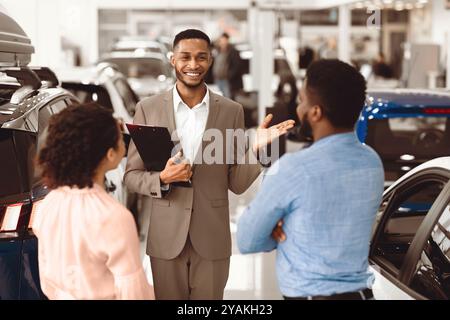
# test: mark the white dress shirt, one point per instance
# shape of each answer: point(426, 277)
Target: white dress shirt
point(190, 123)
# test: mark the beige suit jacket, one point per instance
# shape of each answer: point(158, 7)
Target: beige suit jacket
point(201, 211)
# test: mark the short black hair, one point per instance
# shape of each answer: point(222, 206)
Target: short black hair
point(338, 88)
point(77, 141)
point(225, 35)
point(191, 34)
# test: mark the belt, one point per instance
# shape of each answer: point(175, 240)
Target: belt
point(365, 294)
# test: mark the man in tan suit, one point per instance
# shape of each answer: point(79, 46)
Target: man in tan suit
point(189, 240)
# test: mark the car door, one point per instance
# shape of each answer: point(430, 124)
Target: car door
point(398, 236)
point(428, 274)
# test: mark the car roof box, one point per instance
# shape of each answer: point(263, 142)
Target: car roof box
point(15, 46)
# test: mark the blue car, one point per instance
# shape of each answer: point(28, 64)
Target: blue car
point(406, 127)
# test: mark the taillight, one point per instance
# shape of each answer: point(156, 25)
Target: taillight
point(11, 217)
point(34, 210)
point(437, 110)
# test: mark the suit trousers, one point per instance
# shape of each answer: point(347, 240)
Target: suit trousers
point(189, 276)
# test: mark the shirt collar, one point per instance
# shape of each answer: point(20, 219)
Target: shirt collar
point(337, 137)
point(177, 99)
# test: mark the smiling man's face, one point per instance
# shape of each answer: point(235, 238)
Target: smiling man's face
point(191, 60)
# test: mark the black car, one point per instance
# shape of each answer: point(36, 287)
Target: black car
point(25, 109)
point(406, 127)
point(28, 98)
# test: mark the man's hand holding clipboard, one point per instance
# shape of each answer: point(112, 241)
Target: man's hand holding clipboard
point(155, 148)
point(177, 169)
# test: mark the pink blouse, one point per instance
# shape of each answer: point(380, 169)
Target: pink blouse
point(88, 247)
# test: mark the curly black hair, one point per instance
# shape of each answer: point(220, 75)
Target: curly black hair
point(77, 141)
point(338, 88)
point(191, 34)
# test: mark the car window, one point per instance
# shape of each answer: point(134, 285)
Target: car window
point(31, 122)
point(405, 142)
point(44, 116)
point(424, 137)
point(432, 275)
point(404, 217)
point(57, 106)
point(126, 93)
point(17, 149)
point(6, 93)
point(89, 93)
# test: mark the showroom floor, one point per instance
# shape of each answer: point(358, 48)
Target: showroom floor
point(251, 276)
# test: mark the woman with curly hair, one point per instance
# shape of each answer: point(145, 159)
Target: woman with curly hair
point(88, 243)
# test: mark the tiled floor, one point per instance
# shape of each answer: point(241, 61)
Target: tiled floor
point(251, 276)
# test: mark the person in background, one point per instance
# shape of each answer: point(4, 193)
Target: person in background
point(318, 209)
point(88, 242)
point(328, 50)
point(380, 68)
point(227, 68)
point(287, 92)
point(306, 57)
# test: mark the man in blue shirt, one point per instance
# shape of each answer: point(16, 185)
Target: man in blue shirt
point(317, 205)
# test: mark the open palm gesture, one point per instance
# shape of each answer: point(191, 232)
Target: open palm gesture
point(265, 134)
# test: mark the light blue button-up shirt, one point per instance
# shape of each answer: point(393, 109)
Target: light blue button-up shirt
point(328, 196)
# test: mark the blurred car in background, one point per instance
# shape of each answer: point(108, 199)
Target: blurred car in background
point(167, 43)
point(148, 73)
point(410, 246)
point(107, 86)
point(103, 83)
point(139, 44)
point(406, 127)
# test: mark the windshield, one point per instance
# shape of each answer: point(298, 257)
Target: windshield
point(140, 67)
point(425, 137)
point(406, 142)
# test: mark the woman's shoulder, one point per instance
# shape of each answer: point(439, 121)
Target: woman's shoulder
point(110, 202)
point(94, 201)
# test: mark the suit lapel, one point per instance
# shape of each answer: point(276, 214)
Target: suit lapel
point(168, 106)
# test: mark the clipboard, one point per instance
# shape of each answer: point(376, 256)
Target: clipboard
point(155, 146)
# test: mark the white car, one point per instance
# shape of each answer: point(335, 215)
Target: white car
point(148, 73)
point(105, 85)
point(139, 44)
point(410, 247)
